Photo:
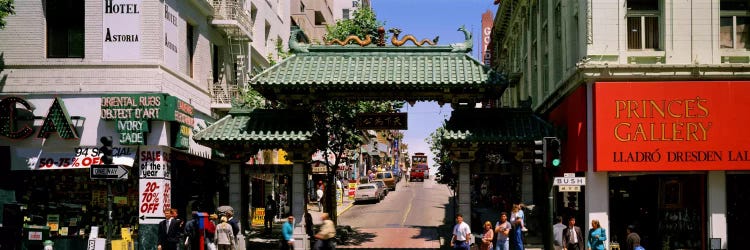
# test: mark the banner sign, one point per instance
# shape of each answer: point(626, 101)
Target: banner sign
point(171, 25)
point(671, 126)
point(487, 22)
point(154, 184)
point(121, 30)
point(80, 157)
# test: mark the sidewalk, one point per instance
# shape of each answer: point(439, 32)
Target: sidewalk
point(256, 239)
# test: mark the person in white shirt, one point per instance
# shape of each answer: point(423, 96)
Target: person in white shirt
point(461, 234)
point(320, 198)
point(557, 233)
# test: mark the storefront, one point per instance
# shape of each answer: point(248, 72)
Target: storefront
point(51, 142)
point(666, 153)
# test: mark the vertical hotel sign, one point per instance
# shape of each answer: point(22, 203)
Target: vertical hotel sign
point(671, 126)
point(487, 22)
point(171, 26)
point(121, 30)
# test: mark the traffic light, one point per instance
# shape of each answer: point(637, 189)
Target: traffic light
point(553, 152)
point(106, 150)
point(540, 150)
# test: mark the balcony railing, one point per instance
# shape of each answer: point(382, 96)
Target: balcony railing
point(222, 93)
point(229, 13)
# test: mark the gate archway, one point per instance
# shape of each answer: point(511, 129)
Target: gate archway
point(446, 74)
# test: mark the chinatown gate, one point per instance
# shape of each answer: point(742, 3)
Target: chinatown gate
point(446, 74)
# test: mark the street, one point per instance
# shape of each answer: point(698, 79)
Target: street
point(409, 217)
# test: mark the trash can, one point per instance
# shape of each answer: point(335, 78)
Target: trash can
point(34, 237)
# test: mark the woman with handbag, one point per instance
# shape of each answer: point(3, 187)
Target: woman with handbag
point(597, 236)
point(487, 237)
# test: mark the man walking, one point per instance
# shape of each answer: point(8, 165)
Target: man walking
point(557, 233)
point(461, 234)
point(633, 240)
point(326, 234)
point(287, 231)
point(573, 237)
point(169, 231)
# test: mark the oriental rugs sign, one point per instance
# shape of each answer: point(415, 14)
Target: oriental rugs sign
point(671, 126)
point(133, 112)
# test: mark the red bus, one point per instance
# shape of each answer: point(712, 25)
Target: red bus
point(419, 167)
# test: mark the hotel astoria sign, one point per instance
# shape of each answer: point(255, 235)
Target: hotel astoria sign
point(671, 126)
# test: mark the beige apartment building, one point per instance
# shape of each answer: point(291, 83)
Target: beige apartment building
point(646, 95)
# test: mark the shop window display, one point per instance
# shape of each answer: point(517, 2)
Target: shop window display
point(738, 203)
point(673, 217)
point(70, 203)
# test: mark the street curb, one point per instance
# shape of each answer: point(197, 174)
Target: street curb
point(345, 209)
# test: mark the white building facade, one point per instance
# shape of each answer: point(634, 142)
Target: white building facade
point(147, 73)
point(646, 93)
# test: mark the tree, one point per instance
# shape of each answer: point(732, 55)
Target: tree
point(335, 133)
point(442, 159)
point(362, 24)
point(6, 8)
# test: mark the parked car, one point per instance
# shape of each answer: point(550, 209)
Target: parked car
point(368, 192)
point(382, 186)
point(387, 177)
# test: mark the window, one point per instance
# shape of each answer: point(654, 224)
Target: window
point(190, 48)
point(302, 7)
point(643, 24)
point(65, 28)
point(734, 24)
point(345, 13)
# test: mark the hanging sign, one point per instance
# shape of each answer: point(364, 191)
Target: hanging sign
point(381, 121)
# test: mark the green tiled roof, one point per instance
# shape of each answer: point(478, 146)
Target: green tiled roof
point(324, 70)
point(259, 128)
point(499, 125)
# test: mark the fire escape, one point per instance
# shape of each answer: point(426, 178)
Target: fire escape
point(231, 18)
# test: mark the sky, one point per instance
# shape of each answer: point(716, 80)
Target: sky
point(427, 19)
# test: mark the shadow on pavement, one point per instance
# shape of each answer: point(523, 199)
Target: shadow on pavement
point(357, 237)
point(444, 231)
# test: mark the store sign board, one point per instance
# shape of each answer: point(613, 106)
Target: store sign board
point(80, 157)
point(671, 126)
point(569, 181)
point(16, 126)
point(121, 30)
point(382, 121)
point(132, 113)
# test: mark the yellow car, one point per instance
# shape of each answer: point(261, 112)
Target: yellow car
point(388, 178)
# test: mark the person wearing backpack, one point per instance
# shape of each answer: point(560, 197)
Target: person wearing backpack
point(270, 214)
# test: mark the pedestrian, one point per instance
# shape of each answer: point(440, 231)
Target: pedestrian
point(516, 234)
point(287, 231)
point(269, 214)
point(517, 212)
point(234, 223)
point(487, 237)
point(557, 232)
point(169, 232)
point(502, 229)
point(326, 235)
point(309, 228)
point(320, 198)
point(194, 232)
point(633, 240)
point(461, 234)
point(572, 236)
point(224, 235)
point(210, 230)
point(597, 236)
